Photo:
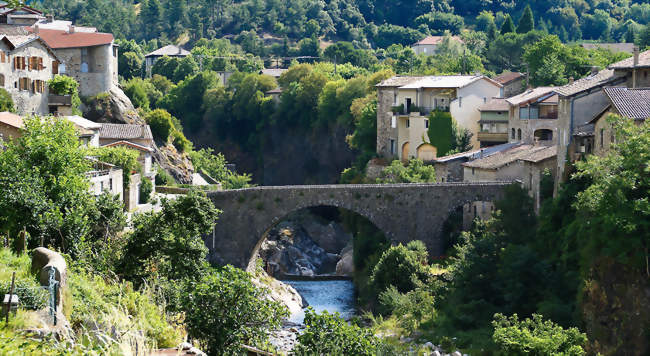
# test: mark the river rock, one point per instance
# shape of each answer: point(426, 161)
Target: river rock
point(456, 353)
point(436, 353)
point(345, 266)
point(329, 236)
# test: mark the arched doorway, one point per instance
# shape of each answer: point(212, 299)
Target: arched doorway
point(427, 152)
point(544, 135)
point(405, 151)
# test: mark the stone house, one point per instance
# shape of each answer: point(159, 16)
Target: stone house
point(11, 126)
point(633, 104)
point(493, 125)
point(169, 51)
point(513, 83)
point(88, 130)
point(583, 100)
point(405, 103)
point(450, 168)
point(429, 45)
point(105, 177)
point(23, 15)
point(26, 64)
point(533, 116)
point(85, 54)
point(522, 162)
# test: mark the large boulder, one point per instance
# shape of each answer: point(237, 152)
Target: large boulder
point(345, 266)
point(43, 260)
point(112, 107)
point(177, 164)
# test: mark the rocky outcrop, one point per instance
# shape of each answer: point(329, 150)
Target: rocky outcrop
point(289, 250)
point(279, 292)
point(345, 266)
point(175, 163)
point(330, 236)
point(112, 107)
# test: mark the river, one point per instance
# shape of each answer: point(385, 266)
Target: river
point(333, 296)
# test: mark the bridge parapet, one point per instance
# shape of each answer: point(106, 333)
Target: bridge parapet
point(404, 212)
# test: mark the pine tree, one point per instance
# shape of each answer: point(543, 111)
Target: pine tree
point(527, 21)
point(507, 26)
point(563, 35)
point(492, 31)
point(151, 17)
point(630, 35)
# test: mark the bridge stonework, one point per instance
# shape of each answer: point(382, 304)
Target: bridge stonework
point(404, 212)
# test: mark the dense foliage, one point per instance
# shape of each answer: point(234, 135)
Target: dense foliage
point(6, 102)
point(413, 172)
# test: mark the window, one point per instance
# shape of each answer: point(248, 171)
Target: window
point(426, 123)
point(512, 136)
point(55, 67)
point(3, 57)
point(484, 100)
point(519, 134)
point(475, 211)
point(2, 80)
point(424, 49)
point(602, 135)
point(19, 63)
point(101, 186)
point(84, 60)
point(393, 122)
point(472, 170)
point(39, 86)
point(408, 123)
point(24, 84)
point(110, 183)
point(460, 101)
point(392, 146)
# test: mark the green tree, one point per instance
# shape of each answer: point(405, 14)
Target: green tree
point(161, 124)
point(168, 244)
point(130, 64)
point(120, 156)
point(185, 101)
point(224, 309)
point(43, 188)
point(536, 336)
point(415, 172)
point(644, 37)
point(186, 66)
point(329, 334)
point(216, 167)
point(527, 21)
point(6, 102)
point(135, 90)
point(508, 26)
point(64, 85)
point(400, 267)
point(441, 132)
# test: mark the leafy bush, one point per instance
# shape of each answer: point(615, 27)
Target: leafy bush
point(6, 102)
point(64, 85)
point(415, 172)
point(123, 157)
point(329, 334)
point(399, 267)
point(215, 166)
point(161, 124)
point(224, 309)
point(146, 187)
point(536, 337)
point(181, 143)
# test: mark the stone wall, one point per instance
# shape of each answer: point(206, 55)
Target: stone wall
point(100, 75)
point(27, 101)
point(385, 101)
point(404, 212)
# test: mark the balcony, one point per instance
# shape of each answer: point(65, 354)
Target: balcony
point(421, 110)
point(59, 100)
point(492, 136)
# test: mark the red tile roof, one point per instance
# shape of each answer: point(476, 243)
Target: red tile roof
point(508, 77)
point(11, 119)
point(434, 40)
point(63, 39)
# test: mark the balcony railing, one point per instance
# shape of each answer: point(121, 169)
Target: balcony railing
point(59, 100)
point(422, 110)
point(95, 174)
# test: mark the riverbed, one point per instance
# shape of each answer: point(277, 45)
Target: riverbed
point(333, 296)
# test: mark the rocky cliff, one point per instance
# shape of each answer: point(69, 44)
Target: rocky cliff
point(115, 107)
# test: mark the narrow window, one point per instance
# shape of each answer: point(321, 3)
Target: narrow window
point(393, 122)
point(460, 101)
point(602, 135)
point(475, 214)
point(408, 123)
point(472, 170)
point(426, 123)
point(519, 134)
point(513, 134)
point(55, 67)
point(392, 146)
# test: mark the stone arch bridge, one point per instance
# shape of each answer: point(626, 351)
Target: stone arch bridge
point(404, 212)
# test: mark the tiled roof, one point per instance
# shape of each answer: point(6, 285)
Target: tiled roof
point(603, 77)
point(83, 123)
point(274, 72)
point(508, 77)
point(397, 81)
point(496, 104)
point(125, 131)
point(446, 81)
point(478, 153)
point(19, 40)
point(614, 47)
point(529, 153)
point(130, 144)
point(531, 95)
point(13, 30)
point(63, 39)
point(169, 50)
point(628, 63)
point(435, 40)
point(631, 103)
point(11, 119)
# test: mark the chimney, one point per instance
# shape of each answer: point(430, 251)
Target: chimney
point(50, 18)
point(180, 50)
point(594, 70)
point(36, 28)
point(571, 80)
point(71, 29)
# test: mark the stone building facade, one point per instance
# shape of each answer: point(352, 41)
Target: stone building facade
point(533, 116)
point(26, 64)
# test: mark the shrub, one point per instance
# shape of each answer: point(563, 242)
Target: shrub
point(399, 267)
point(329, 334)
point(146, 187)
point(181, 143)
point(64, 85)
point(536, 337)
point(6, 102)
point(135, 90)
point(123, 157)
point(163, 177)
point(160, 122)
point(224, 309)
point(415, 172)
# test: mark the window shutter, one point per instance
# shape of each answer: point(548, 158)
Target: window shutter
point(55, 67)
point(40, 63)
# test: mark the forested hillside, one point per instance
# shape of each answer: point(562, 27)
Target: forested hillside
point(367, 23)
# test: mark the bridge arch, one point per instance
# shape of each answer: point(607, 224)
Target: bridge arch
point(404, 212)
